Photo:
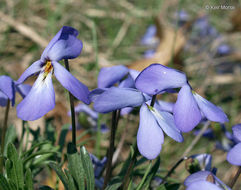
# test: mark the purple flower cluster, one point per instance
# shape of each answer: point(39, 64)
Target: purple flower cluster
point(170, 118)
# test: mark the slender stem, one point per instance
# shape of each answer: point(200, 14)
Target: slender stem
point(71, 99)
point(197, 138)
point(4, 130)
point(173, 169)
point(115, 118)
point(235, 177)
point(144, 177)
point(153, 100)
point(127, 176)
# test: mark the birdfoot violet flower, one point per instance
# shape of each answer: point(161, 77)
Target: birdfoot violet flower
point(41, 98)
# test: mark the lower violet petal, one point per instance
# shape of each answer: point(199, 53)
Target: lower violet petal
point(149, 136)
point(39, 101)
point(186, 112)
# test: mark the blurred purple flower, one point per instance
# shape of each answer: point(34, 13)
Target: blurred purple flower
point(234, 155)
point(189, 108)
point(149, 53)
point(150, 135)
point(8, 87)
point(182, 17)
point(41, 98)
point(99, 166)
point(203, 28)
point(204, 180)
point(149, 37)
point(223, 50)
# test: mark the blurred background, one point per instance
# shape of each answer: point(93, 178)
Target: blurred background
point(200, 38)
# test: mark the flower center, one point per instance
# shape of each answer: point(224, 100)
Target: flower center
point(48, 67)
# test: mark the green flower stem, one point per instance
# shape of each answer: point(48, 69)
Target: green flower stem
point(235, 177)
point(71, 99)
point(115, 118)
point(4, 130)
point(153, 100)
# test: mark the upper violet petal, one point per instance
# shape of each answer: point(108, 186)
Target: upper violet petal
point(73, 85)
point(167, 123)
point(237, 131)
point(31, 70)
point(7, 86)
point(156, 78)
point(108, 76)
point(234, 155)
point(211, 112)
point(65, 45)
point(127, 83)
point(39, 101)
point(149, 136)
point(186, 112)
point(117, 98)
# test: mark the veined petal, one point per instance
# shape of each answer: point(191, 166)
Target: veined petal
point(31, 70)
point(234, 155)
point(149, 136)
point(203, 185)
point(7, 86)
point(76, 88)
point(118, 98)
point(237, 131)
point(211, 112)
point(65, 45)
point(39, 101)
point(3, 99)
point(23, 89)
point(108, 76)
point(167, 123)
point(186, 112)
point(156, 78)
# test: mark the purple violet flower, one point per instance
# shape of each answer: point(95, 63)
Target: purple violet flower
point(8, 87)
point(41, 98)
point(189, 108)
point(149, 37)
point(223, 50)
point(234, 155)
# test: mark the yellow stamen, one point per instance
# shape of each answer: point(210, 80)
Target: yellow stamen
point(48, 68)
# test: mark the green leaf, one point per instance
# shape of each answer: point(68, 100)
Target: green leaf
point(28, 180)
point(113, 186)
point(11, 135)
point(71, 184)
point(60, 173)
point(174, 186)
point(14, 167)
point(144, 177)
point(75, 166)
point(152, 173)
point(4, 183)
point(88, 167)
